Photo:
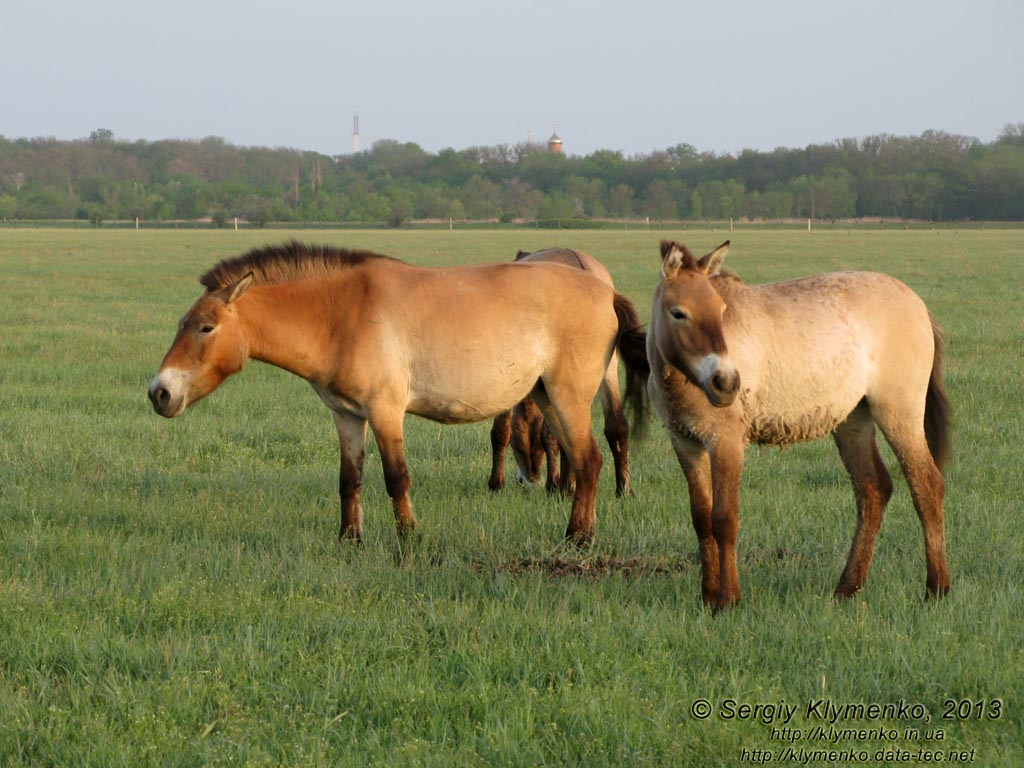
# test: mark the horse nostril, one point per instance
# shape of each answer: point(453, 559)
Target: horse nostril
point(725, 384)
point(160, 397)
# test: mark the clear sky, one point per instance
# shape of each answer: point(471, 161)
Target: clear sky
point(633, 76)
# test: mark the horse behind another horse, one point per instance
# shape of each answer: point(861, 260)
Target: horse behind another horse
point(523, 426)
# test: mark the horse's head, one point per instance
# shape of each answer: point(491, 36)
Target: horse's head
point(209, 347)
point(687, 316)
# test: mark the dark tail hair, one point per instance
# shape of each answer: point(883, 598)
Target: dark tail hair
point(632, 345)
point(938, 411)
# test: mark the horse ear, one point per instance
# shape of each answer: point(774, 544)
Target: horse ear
point(674, 258)
point(234, 292)
point(666, 246)
point(711, 264)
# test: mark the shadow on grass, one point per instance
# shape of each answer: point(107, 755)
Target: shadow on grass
point(595, 567)
point(602, 566)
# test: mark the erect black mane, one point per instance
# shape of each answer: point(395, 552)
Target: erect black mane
point(274, 264)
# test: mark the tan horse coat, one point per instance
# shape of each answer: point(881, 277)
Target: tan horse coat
point(377, 338)
point(830, 354)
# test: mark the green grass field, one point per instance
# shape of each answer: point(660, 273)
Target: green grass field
point(173, 592)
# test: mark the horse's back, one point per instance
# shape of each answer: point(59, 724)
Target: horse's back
point(570, 258)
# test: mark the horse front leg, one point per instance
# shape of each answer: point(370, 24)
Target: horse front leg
point(696, 467)
point(387, 431)
point(352, 441)
point(726, 469)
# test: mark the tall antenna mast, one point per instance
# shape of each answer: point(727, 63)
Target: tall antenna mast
point(355, 134)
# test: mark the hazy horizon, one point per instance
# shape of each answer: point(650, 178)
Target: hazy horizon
point(460, 74)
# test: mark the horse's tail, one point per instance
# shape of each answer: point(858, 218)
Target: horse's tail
point(631, 341)
point(938, 411)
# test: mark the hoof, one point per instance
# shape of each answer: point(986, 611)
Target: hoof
point(725, 602)
point(579, 539)
point(845, 592)
point(353, 535)
point(936, 593)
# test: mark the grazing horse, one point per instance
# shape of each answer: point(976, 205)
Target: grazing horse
point(524, 428)
point(734, 364)
point(378, 338)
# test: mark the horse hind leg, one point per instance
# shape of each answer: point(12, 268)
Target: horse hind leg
point(528, 453)
point(553, 455)
point(904, 431)
point(568, 417)
point(872, 487)
point(501, 434)
point(535, 439)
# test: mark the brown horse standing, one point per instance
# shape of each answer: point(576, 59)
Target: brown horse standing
point(378, 338)
point(523, 426)
point(733, 364)
point(532, 445)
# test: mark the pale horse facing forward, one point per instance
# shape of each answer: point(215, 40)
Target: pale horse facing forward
point(734, 364)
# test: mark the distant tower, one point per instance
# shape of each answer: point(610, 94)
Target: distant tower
point(355, 134)
point(555, 143)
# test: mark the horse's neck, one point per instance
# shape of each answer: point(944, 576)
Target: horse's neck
point(741, 301)
point(286, 325)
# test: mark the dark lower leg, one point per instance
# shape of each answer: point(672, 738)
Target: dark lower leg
point(587, 468)
point(501, 433)
point(616, 432)
point(872, 486)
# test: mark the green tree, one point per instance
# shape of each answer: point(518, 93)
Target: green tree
point(482, 198)
point(557, 205)
point(8, 207)
point(620, 201)
point(659, 203)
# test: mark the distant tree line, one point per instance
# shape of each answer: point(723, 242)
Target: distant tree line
point(936, 176)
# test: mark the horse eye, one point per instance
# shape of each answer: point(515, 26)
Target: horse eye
point(206, 328)
point(678, 314)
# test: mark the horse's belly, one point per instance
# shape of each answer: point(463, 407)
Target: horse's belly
point(786, 422)
point(469, 398)
point(795, 399)
point(791, 428)
point(449, 411)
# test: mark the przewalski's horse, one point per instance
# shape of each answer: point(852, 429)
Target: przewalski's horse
point(733, 364)
point(523, 426)
point(378, 338)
